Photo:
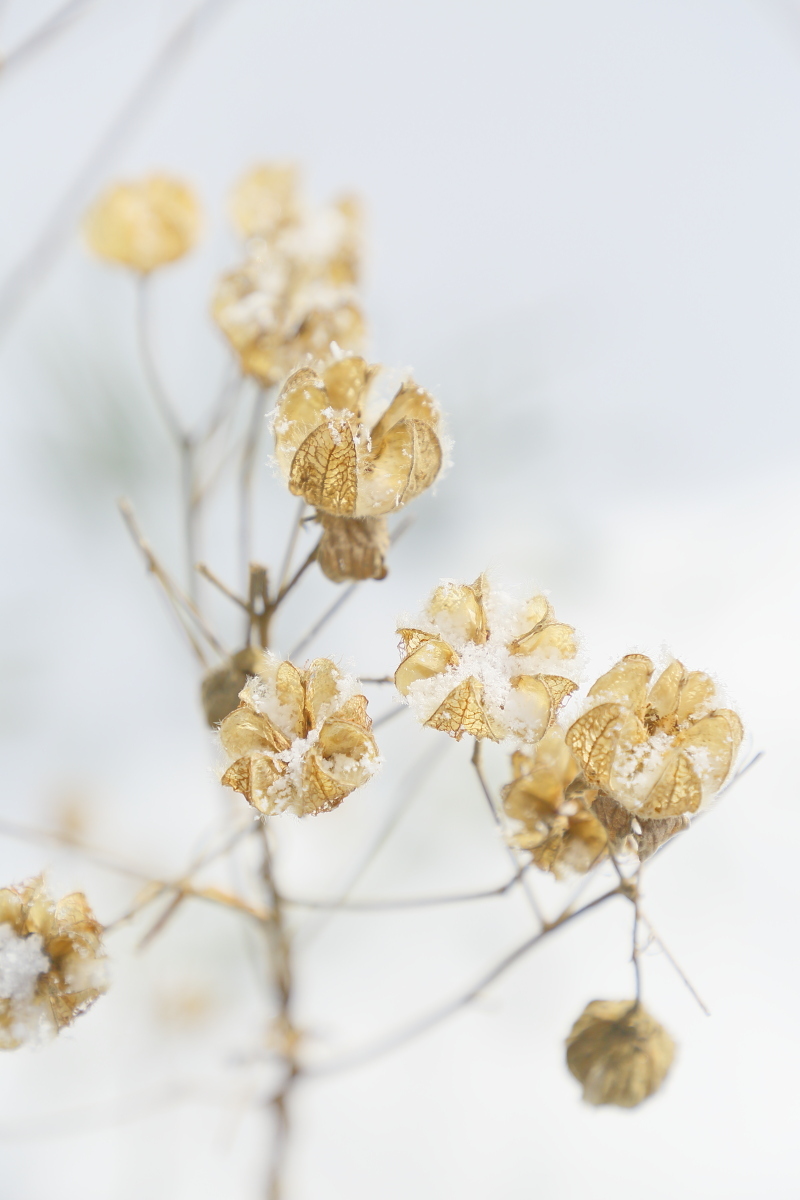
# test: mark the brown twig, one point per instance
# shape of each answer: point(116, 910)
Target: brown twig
point(184, 608)
point(393, 1041)
point(478, 766)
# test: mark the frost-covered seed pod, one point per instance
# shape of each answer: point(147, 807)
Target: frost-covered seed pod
point(478, 663)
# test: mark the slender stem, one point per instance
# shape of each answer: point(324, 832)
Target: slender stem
point(208, 574)
point(187, 612)
point(408, 1033)
point(404, 903)
point(635, 956)
point(329, 613)
point(280, 959)
point(246, 476)
point(286, 565)
point(478, 765)
point(675, 965)
point(181, 438)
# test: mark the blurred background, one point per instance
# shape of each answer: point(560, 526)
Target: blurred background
point(584, 236)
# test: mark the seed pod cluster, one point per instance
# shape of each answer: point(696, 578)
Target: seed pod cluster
point(551, 799)
point(619, 1053)
point(219, 690)
point(353, 471)
point(145, 224)
point(660, 750)
point(477, 663)
point(51, 962)
point(300, 740)
point(294, 293)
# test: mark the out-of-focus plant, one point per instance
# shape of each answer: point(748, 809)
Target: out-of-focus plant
point(603, 781)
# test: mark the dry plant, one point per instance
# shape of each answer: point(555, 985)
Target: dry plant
point(604, 778)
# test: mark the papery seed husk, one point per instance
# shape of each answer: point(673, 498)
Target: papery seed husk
point(324, 469)
point(353, 548)
point(618, 1052)
point(462, 606)
point(244, 731)
point(321, 681)
point(220, 687)
point(410, 401)
point(346, 381)
point(656, 833)
point(678, 790)
point(430, 658)
point(462, 712)
point(404, 463)
point(626, 682)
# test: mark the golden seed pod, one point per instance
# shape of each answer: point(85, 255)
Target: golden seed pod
point(144, 225)
point(495, 699)
point(660, 751)
point(619, 1053)
point(219, 690)
point(552, 802)
point(51, 962)
point(353, 548)
point(336, 463)
point(295, 743)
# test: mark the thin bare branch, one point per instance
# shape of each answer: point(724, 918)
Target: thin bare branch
point(526, 887)
point(395, 1040)
point(208, 574)
point(182, 605)
point(404, 903)
point(319, 625)
point(671, 960)
point(291, 545)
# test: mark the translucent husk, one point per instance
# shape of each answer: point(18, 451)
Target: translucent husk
point(219, 690)
point(339, 466)
point(309, 751)
point(459, 614)
point(660, 752)
point(550, 800)
point(353, 548)
point(619, 1053)
point(71, 943)
point(144, 225)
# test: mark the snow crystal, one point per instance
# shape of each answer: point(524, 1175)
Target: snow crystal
point(22, 961)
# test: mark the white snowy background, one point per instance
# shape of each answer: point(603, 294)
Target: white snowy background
point(584, 235)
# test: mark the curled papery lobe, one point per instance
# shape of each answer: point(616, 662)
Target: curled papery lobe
point(332, 459)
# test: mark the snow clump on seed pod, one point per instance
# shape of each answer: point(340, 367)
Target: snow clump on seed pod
point(353, 468)
point(479, 663)
point(294, 294)
point(661, 751)
point(51, 962)
point(300, 740)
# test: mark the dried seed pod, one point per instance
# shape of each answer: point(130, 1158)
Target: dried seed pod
point(51, 962)
point(299, 741)
point(334, 461)
point(144, 225)
point(219, 690)
point(463, 672)
point(662, 750)
point(551, 800)
point(294, 294)
point(353, 547)
point(619, 1053)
